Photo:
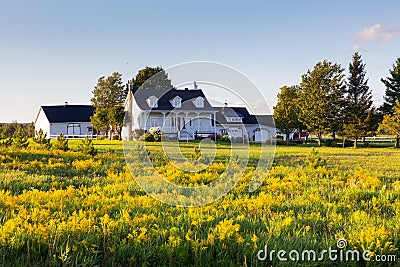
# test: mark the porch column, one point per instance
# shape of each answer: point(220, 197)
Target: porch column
point(215, 127)
point(163, 122)
point(198, 122)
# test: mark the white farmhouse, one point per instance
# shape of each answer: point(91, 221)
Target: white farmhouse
point(185, 114)
point(180, 114)
point(71, 120)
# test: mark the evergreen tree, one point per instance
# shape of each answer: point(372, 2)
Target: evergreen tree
point(86, 146)
point(41, 139)
point(392, 92)
point(359, 109)
point(20, 139)
point(286, 111)
point(61, 143)
point(321, 98)
point(391, 123)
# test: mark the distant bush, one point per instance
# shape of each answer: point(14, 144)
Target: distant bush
point(338, 143)
point(224, 138)
point(280, 142)
point(299, 140)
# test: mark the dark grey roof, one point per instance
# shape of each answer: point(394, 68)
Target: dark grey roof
point(164, 98)
point(242, 112)
point(266, 120)
point(68, 113)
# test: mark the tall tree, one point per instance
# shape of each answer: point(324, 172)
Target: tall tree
point(392, 92)
point(152, 78)
point(108, 98)
point(391, 123)
point(321, 98)
point(286, 111)
point(109, 92)
point(359, 109)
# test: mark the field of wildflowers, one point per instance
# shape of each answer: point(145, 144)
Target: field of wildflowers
point(72, 209)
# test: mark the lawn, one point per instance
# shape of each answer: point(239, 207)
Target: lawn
point(71, 209)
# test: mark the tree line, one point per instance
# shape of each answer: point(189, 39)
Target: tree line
point(326, 101)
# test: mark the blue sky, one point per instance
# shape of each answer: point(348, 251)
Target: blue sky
point(53, 51)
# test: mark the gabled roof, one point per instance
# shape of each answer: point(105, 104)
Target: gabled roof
point(165, 97)
point(266, 120)
point(247, 118)
point(68, 113)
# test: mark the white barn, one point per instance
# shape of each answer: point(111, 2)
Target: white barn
point(71, 120)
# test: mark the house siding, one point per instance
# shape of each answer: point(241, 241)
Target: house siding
point(42, 123)
point(79, 129)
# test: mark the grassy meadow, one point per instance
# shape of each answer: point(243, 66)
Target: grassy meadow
point(72, 209)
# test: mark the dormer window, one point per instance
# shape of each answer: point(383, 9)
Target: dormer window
point(199, 102)
point(152, 101)
point(177, 102)
point(234, 119)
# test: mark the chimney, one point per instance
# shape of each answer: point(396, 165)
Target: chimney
point(186, 88)
point(195, 85)
point(65, 103)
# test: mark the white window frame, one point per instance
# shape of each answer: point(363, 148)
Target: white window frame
point(152, 124)
point(199, 103)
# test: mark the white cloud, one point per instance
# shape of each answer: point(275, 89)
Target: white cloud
point(355, 48)
point(376, 33)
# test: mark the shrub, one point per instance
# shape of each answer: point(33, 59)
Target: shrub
point(41, 139)
point(86, 146)
point(224, 138)
point(299, 140)
point(153, 135)
point(156, 132)
point(61, 143)
point(137, 133)
point(148, 137)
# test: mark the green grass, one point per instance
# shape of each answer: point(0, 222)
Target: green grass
point(71, 209)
